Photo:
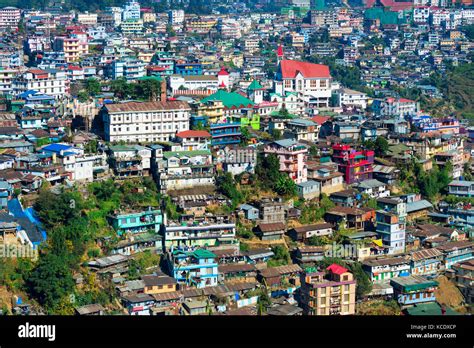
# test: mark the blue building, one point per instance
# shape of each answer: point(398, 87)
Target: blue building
point(188, 69)
point(250, 212)
point(411, 290)
point(225, 133)
point(198, 121)
point(6, 190)
point(461, 188)
point(196, 268)
point(455, 252)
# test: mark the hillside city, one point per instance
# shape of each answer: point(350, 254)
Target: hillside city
point(245, 157)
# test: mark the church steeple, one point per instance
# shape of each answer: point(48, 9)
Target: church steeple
point(279, 53)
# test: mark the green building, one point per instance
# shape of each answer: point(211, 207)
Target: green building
point(137, 222)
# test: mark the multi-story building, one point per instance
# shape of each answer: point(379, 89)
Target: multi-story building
point(455, 252)
point(426, 262)
point(9, 17)
point(323, 18)
point(411, 290)
point(193, 84)
point(137, 221)
point(391, 223)
point(236, 160)
point(355, 165)
point(131, 26)
point(193, 140)
point(464, 279)
point(196, 268)
point(6, 80)
point(200, 24)
point(292, 157)
point(181, 170)
point(455, 159)
point(130, 161)
point(50, 82)
point(131, 11)
point(87, 18)
point(383, 269)
point(329, 179)
point(310, 81)
point(129, 68)
point(74, 48)
point(329, 293)
point(395, 107)
point(145, 122)
point(301, 129)
point(199, 232)
point(116, 15)
point(349, 97)
point(460, 188)
point(222, 105)
point(224, 134)
point(176, 17)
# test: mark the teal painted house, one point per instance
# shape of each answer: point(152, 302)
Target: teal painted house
point(194, 268)
point(137, 222)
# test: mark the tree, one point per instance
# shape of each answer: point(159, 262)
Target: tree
point(92, 86)
point(120, 87)
point(381, 146)
point(83, 97)
point(281, 256)
point(318, 240)
point(245, 135)
point(148, 89)
point(276, 134)
point(285, 186)
point(268, 170)
point(226, 185)
point(50, 281)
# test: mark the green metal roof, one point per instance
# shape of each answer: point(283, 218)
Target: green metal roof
point(432, 308)
point(203, 254)
point(229, 99)
point(254, 85)
point(144, 78)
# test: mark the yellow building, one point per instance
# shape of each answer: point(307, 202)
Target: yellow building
point(329, 293)
point(158, 284)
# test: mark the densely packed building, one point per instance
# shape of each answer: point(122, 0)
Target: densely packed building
point(241, 149)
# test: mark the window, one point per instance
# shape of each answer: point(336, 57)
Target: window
point(323, 83)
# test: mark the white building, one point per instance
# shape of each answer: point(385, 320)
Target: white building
point(87, 18)
point(116, 14)
point(347, 96)
point(9, 17)
point(51, 82)
point(6, 80)
point(176, 17)
point(131, 11)
point(194, 82)
point(145, 122)
point(312, 82)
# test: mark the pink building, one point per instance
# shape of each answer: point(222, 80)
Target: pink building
point(292, 157)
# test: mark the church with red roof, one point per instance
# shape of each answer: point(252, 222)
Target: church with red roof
point(310, 82)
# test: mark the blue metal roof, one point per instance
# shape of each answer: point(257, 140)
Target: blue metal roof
point(56, 148)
